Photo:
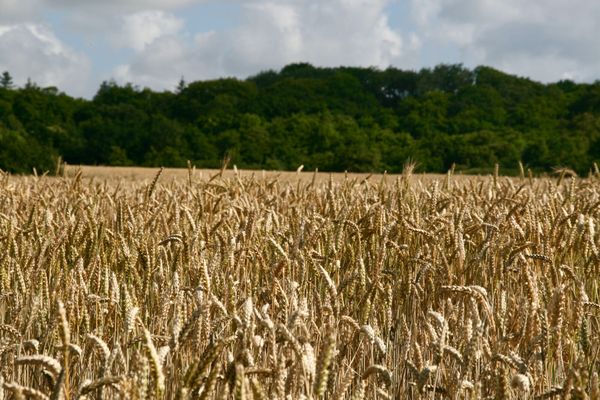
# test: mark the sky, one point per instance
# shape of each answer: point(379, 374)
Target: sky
point(76, 44)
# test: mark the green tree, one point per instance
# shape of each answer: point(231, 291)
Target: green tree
point(254, 138)
point(361, 119)
point(6, 81)
point(20, 153)
point(181, 85)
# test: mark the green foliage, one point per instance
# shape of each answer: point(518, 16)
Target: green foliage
point(334, 119)
point(6, 81)
point(20, 153)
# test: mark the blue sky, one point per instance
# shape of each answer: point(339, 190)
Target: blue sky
point(76, 44)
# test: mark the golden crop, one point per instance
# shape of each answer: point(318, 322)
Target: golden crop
point(259, 288)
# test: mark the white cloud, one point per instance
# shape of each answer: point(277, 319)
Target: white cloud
point(33, 51)
point(13, 11)
point(117, 6)
point(158, 66)
point(547, 40)
point(544, 39)
point(167, 59)
point(271, 34)
point(142, 28)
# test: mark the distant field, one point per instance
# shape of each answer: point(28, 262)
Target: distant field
point(117, 283)
point(203, 174)
point(206, 174)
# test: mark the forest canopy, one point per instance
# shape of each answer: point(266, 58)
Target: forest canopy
point(333, 119)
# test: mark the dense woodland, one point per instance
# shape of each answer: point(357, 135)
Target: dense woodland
point(333, 119)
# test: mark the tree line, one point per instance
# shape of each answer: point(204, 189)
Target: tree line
point(333, 119)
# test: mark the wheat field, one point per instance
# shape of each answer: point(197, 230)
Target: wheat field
point(255, 287)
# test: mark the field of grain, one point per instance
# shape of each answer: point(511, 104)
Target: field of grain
point(252, 286)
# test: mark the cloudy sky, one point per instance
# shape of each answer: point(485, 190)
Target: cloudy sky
point(76, 44)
